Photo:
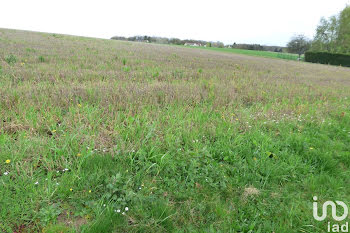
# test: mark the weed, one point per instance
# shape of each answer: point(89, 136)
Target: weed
point(41, 59)
point(155, 73)
point(30, 50)
point(49, 213)
point(11, 59)
point(126, 69)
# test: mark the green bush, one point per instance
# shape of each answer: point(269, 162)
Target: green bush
point(328, 58)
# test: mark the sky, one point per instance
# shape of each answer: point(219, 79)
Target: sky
point(268, 22)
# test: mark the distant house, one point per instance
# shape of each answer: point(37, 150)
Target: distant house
point(192, 44)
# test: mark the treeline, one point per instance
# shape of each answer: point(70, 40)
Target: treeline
point(164, 40)
point(191, 42)
point(259, 47)
point(333, 34)
point(331, 44)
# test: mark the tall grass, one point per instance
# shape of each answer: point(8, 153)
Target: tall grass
point(110, 136)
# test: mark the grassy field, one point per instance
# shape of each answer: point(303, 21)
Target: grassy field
point(110, 136)
point(286, 56)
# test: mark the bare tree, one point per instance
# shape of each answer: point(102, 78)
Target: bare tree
point(298, 44)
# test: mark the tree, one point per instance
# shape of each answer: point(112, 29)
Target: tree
point(333, 34)
point(175, 41)
point(344, 31)
point(217, 44)
point(326, 35)
point(298, 44)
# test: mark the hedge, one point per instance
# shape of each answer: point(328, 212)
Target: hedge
point(328, 58)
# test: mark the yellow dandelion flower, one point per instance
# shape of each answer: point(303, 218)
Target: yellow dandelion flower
point(311, 148)
point(53, 131)
point(71, 189)
point(8, 161)
point(78, 154)
point(90, 191)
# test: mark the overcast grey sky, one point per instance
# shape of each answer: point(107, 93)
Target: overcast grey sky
point(270, 22)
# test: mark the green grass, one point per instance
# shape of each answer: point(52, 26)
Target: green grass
point(287, 56)
point(110, 136)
